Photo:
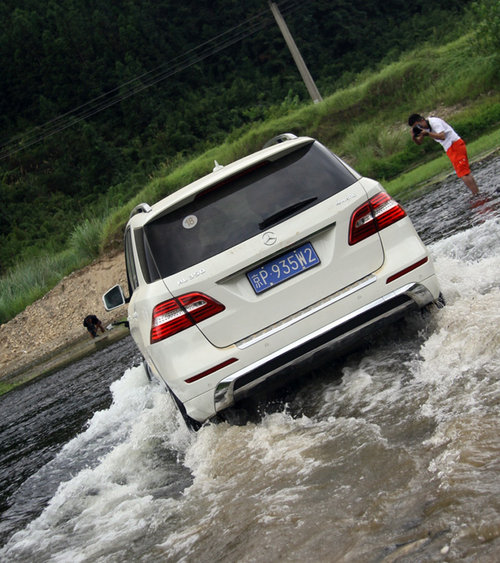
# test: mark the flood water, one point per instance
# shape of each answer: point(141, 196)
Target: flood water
point(392, 454)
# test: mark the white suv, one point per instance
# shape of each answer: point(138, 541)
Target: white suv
point(258, 266)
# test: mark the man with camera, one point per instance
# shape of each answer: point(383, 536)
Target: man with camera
point(446, 136)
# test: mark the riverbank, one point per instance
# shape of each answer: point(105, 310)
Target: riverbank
point(49, 333)
point(60, 358)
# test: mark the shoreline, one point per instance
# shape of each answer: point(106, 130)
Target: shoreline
point(49, 333)
point(60, 358)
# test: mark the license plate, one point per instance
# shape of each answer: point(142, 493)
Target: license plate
point(283, 267)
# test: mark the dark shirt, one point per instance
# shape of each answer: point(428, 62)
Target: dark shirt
point(90, 320)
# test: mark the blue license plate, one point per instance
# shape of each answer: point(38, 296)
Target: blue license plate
point(283, 267)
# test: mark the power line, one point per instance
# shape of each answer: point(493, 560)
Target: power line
point(249, 27)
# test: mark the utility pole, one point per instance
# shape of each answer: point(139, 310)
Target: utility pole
point(297, 57)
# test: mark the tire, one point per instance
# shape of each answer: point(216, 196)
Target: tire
point(191, 423)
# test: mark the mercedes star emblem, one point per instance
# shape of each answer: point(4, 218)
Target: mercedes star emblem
point(269, 238)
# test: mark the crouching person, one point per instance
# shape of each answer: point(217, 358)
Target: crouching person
point(92, 324)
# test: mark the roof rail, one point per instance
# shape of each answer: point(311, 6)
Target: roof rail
point(279, 139)
point(141, 208)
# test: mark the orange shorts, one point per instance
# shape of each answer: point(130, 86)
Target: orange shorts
point(457, 153)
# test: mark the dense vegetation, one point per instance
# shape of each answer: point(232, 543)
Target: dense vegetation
point(89, 170)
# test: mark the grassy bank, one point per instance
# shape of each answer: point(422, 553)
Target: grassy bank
point(364, 123)
point(31, 280)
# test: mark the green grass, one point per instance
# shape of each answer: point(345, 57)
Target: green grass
point(365, 124)
point(85, 241)
point(31, 280)
point(6, 387)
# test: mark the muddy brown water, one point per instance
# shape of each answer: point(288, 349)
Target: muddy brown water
point(392, 454)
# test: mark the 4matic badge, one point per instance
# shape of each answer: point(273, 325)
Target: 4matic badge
point(192, 276)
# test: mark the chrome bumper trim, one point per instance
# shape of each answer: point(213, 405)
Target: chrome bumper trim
point(225, 392)
point(313, 309)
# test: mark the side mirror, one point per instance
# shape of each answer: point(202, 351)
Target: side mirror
point(114, 298)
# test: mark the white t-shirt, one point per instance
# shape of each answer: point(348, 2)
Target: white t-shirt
point(438, 125)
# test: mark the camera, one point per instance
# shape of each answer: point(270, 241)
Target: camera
point(417, 130)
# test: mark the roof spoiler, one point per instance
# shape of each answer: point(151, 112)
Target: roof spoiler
point(141, 208)
point(279, 139)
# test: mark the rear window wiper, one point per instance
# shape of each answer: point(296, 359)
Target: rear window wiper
point(283, 213)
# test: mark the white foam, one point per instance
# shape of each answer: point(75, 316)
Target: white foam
point(458, 375)
point(108, 504)
point(466, 339)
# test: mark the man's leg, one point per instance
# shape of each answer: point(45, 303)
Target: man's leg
point(470, 182)
point(457, 153)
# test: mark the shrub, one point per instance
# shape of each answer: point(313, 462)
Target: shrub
point(86, 239)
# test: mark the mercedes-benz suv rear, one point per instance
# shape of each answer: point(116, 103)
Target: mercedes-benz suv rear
point(256, 268)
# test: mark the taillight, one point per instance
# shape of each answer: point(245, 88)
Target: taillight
point(175, 315)
point(377, 214)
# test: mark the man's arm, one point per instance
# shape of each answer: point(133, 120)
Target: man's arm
point(424, 133)
point(434, 135)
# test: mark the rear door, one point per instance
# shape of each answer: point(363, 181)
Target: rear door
point(265, 244)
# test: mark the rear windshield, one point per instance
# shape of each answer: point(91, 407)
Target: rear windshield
point(236, 210)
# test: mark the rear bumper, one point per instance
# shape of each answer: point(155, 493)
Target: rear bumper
point(333, 337)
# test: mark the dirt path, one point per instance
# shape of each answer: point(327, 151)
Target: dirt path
point(56, 320)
